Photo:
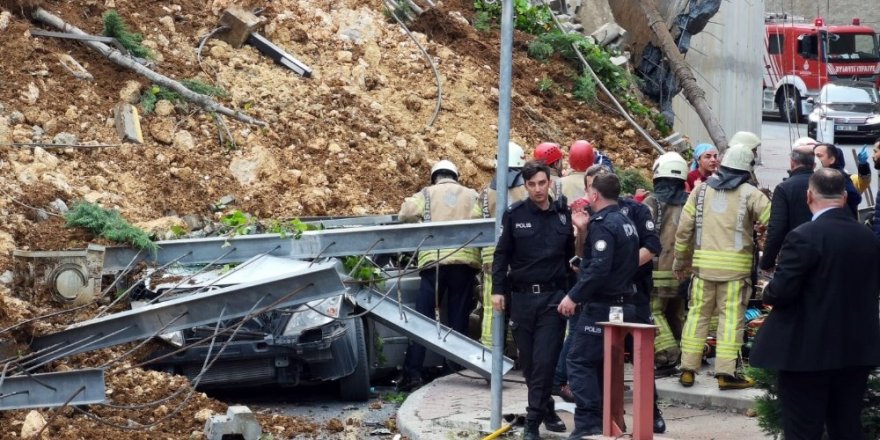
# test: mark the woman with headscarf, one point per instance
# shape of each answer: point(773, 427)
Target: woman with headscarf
point(704, 165)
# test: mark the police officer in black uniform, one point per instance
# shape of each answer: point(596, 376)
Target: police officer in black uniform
point(649, 247)
point(530, 267)
point(606, 279)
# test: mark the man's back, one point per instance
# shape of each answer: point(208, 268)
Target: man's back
point(825, 299)
point(788, 210)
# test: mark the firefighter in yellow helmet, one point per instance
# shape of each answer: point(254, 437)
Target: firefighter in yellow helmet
point(667, 306)
point(714, 240)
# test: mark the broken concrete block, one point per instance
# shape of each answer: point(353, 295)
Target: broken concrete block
point(74, 67)
point(128, 123)
point(241, 24)
point(239, 422)
point(33, 423)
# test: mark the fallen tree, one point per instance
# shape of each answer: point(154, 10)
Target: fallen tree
point(123, 60)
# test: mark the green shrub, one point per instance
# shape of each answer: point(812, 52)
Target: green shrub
point(114, 26)
point(108, 224)
point(157, 92)
point(546, 86)
point(535, 20)
point(483, 21)
point(584, 89)
point(632, 179)
point(540, 50)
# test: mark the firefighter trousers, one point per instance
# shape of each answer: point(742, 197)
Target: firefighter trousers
point(726, 300)
point(666, 348)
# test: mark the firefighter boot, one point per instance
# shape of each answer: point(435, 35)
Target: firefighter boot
point(734, 382)
point(687, 378)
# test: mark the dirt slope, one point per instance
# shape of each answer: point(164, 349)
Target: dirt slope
point(351, 140)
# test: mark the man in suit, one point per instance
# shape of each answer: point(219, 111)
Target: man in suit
point(788, 208)
point(823, 335)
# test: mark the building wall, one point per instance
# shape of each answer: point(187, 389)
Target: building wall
point(834, 11)
point(726, 59)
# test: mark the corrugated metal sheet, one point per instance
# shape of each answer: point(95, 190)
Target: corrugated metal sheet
point(726, 59)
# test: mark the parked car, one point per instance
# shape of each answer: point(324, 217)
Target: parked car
point(854, 107)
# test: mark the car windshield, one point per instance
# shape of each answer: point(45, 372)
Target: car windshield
point(852, 47)
point(841, 94)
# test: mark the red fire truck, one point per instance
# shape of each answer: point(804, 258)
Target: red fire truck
point(801, 57)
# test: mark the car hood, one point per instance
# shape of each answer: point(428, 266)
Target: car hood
point(849, 110)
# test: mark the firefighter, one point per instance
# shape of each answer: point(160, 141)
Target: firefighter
point(455, 275)
point(667, 306)
point(516, 191)
point(605, 279)
point(580, 157)
point(714, 240)
point(529, 272)
point(705, 163)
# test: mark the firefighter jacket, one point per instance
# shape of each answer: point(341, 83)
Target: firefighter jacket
point(666, 217)
point(573, 186)
point(715, 232)
point(487, 210)
point(443, 201)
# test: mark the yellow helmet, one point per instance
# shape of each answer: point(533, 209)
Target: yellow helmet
point(738, 157)
point(670, 165)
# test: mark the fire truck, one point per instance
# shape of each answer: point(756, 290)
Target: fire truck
point(801, 56)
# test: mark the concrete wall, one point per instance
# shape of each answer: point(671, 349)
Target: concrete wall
point(726, 59)
point(841, 11)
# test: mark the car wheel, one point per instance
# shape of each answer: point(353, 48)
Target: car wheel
point(356, 386)
point(789, 102)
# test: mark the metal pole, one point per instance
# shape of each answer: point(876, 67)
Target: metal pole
point(504, 89)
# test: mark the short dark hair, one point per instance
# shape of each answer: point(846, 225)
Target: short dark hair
point(533, 167)
point(828, 183)
point(832, 150)
point(439, 174)
point(607, 185)
point(805, 158)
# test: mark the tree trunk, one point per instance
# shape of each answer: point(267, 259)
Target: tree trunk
point(692, 92)
point(204, 101)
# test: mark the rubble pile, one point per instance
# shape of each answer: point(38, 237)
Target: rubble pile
point(353, 139)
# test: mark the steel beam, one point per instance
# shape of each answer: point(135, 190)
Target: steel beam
point(451, 344)
point(326, 243)
point(53, 389)
point(348, 222)
point(320, 281)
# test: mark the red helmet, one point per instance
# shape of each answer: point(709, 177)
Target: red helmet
point(581, 156)
point(548, 152)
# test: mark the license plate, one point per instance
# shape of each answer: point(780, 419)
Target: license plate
point(846, 127)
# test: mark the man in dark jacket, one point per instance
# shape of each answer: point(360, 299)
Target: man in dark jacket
point(788, 208)
point(830, 156)
point(823, 335)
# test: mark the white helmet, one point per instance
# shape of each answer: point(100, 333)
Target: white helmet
point(738, 157)
point(746, 139)
point(444, 165)
point(670, 165)
point(516, 156)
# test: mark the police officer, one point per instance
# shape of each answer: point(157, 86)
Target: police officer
point(454, 277)
point(605, 280)
point(531, 264)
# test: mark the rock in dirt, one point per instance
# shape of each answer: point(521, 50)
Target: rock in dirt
point(164, 107)
point(7, 277)
point(5, 131)
point(466, 142)
point(184, 140)
point(130, 92)
point(162, 227)
point(162, 130)
point(33, 423)
point(5, 17)
point(31, 95)
point(64, 138)
point(59, 206)
point(43, 157)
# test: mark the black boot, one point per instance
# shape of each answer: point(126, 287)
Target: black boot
point(530, 432)
point(659, 423)
point(553, 423)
